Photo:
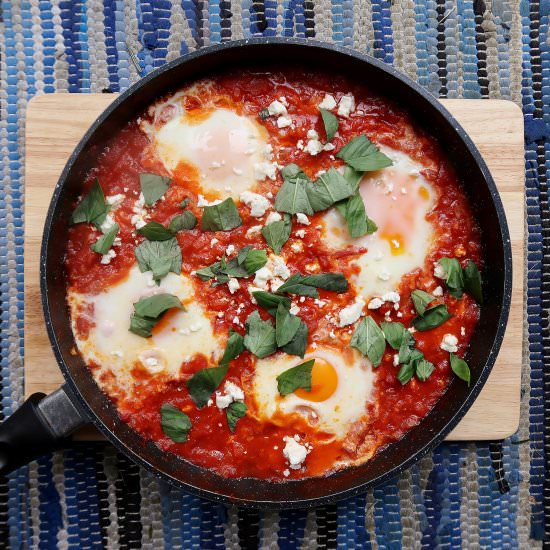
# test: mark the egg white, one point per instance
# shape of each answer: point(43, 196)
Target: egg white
point(397, 198)
point(113, 347)
point(336, 414)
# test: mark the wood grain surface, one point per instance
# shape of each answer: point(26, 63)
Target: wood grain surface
point(56, 122)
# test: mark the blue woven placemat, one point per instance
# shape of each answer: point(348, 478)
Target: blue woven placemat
point(463, 495)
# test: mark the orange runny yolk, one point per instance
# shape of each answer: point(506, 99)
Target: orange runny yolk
point(324, 381)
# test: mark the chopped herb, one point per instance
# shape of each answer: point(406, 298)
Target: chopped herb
point(105, 242)
point(153, 187)
point(369, 339)
point(155, 231)
point(264, 113)
point(361, 154)
point(421, 300)
point(221, 217)
point(330, 122)
point(260, 336)
point(184, 203)
point(298, 345)
point(293, 194)
point(394, 334)
point(353, 176)
point(460, 368)
point(432, 318)
point(306, 285)
point(286, 325)
point(234, 413)
point(406, 372)
point(455, 278)
point(254, 259)
point(353, 210)
point(330, 188)
point(92, 208)
point(160, 257)
point(247, 262)
point(234, 347)
point(424, 370)
point(277, 233)
point(406, 347)
point(175, 424)
point(148, 312)
point(270, 302)
point(472, 281)
point(297, 377)
point(182, 222)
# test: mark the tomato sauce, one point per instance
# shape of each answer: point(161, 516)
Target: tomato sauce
point(255, 449)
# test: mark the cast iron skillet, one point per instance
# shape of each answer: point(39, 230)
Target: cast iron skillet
point(42, 423)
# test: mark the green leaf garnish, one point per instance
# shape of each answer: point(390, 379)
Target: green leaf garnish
point(298, 344)
point(105, 242)
point(421, 300)
point(353, 176)
point(270, 302)
point(153, 187)
point(296, 377)
point(394, 333)
point(455, 277)
point(246, 263)
point(369, 339)
point(148, 312)
point(432, 318)
point(460, 368)
point(234, 347)
point(175, 424)
point(424, 370)
point(330, 122)
point(277, 233)
point(293, 194)
point(254, 259)
point(260, 336)
point(221, 217)
point(306, 285)
point(182, 222)
point(160, 257)
point(155, 231)
point(286, 325)
point(472, 281)
point(406, 372)
point(234, 412)
point(406, 348)
point(92, 208)
point(329, 188)
point(184, 203)
point(353, 210)
point(361, 154)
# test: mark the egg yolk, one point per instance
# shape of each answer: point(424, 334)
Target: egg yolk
point(324, 381)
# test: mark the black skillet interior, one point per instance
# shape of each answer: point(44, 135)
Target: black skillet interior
point(477, 183)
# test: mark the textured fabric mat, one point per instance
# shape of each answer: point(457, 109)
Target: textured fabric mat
point(463, 495)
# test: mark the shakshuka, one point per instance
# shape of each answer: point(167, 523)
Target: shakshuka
point(273, 274)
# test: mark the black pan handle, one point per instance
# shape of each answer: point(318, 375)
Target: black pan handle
point(41, 425)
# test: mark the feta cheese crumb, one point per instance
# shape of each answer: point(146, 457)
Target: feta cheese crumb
point(302, 218)
point(214, 241)
point(328, 102)
point(106, 258)
point(329, 147)
point(351, 313)
point(286, 472)
point(376, 303)
point(263, 276)
point(296, 247)
point(439, 271)
point(294, 309)
point(279, 267)
point(301, 233)
point(449, 343)
point(264, 170)
point(391, 297)
point(230, 249)
point(273, 217)
point(233, 285)
point(313, 147)
point(300, 145)
point(294, 452)
point(108, 222)
point(438, 291)
point(115, 200)
point(346, 105)
point(462, 331)
point(237, 171)
point(232, 393)
point(384, 276)
point(276, 283)
point(276, 108)
point(312, 134)
point(202, 202)
point(284, 121)
point(396, 359)
point(254, 230)
point(257, 203)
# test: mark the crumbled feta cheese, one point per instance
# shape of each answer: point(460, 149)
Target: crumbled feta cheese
point(106, 258)
point(213, 241)
point(294, 452)
point(273, 217)
point(294, 309)
point(329, 147)
point(279, 267)
point(449, 343)
point(202, 202)
point(438, 291)
point(152, 361)
point(297, 247)
point(283, 100)
point(233, 285)
point(252, 289)
point(331, 334)
point(462, 331)
point(230, 249)
point(264, 170)
point(263, 276)
point(268, 151)
point(384, 276)
point(302, 218)
point(312, 134)
point(276, 108)
point(137, 221)
point(328, 102)
point(300, 145)
point(284, 121)
point(210, 402)
point(301, 233)
point(257, 203)
point(286, 472)
point(107, 223)
point(346, 105)
point(254, 230)
point(302, 299)
point(313, 147)
point(232, 393)
point(396, 359)
point(115, 200)
point(275, 283)
point(376, 303)
point(439, 271)
point(351, 313)
point(391, 297)
point(215, 165)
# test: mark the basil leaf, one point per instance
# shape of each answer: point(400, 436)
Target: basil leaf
point(105, 242)
point(270, 302)
point(406, 347)
point(254, 260)
point(247, 262)
point(160, 257)
point(204, 382)
point(277, 233)
point(294, 285)
point(406, 372)
point(293, 194)
point(296, 377)
point(330, 122)
point(472, 281)
point(455, 278)
point(460, 368)
point(260, 336)
point(353, 176)
point(432, 318)
point(234, 347)
point(206, 273)
point(184, 203)
point(361, 154)
point(421, 300)
point(221, 217)
point(175, 424)
point(330, 188)
point(369, 340)
point(234, 412)
point(92, 208)
point(155, 231)
point(424, 370)
point(394, 334)
point(353, 210)
point(306, 285)
point(298, 345)
point(182, 222)
point(142, 326)
point(286, 325)
point(153, 187)
point(154, 306)
point(293, 171)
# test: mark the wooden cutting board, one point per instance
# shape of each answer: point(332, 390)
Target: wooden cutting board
point(56, 122)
